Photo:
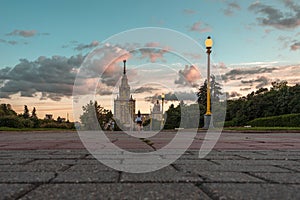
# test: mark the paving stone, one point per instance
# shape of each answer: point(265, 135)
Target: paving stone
point(251, 191)
point(25, 177)
point(293, 167)
point(96, 162)
point(256, 162)
point(228, 168)
point(280, 177)
point(32, 168)
point(85, 177)
point(89, 168)
point(9, 161)
point(167, 174)
point(11, 191)
point(237, 177)
point(118, 191)
point(54, 161)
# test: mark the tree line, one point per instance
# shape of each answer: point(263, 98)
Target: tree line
point(9, 118)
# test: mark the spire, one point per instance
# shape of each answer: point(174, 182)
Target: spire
point(124, 72)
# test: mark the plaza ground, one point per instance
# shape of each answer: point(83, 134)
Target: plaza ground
point(55, 165)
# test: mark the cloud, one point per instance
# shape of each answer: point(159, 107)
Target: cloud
point(190, 75)
point(231, 8)
point(23, 33)
point(295, 46)
point(189, 11)
point(245, 89)
point(233, 94)
point(198, 27)
point(276, 18)
point(53, 77)
point(11, 42)
point(262, 80)
point(152, 51)
point(81, 47)
point(177, 96)
point(144, 89)
point(236, 74)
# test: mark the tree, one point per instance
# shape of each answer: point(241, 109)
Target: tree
point(94, 114)
point(33, 114)
point(26, 112)
point(215, 91)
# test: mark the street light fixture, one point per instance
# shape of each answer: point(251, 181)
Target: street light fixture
point(162, 110)
point(208, 115)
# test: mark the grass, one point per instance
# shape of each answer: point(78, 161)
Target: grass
point(34, 129)
point(262, 128)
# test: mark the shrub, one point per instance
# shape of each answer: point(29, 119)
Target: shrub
point(11, 121)
point(289, 120)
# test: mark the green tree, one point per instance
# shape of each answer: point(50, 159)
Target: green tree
point(33, 114)
point(94, 114)
point(26, 112)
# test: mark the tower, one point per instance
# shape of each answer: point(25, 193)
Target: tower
point(124, 104)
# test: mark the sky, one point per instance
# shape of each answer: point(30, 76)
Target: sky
point(43, 44)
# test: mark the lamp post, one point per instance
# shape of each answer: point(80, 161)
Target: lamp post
point(162, 110)
point(208, 115)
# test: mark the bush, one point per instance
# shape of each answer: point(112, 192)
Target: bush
point(11, 121)
point(58, 125)
point(289, 120)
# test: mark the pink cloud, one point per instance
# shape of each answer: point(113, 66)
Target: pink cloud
point(198, 27)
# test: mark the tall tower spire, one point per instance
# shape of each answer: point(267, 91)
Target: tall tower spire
point(124, 72)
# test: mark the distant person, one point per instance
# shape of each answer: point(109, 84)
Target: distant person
point(112, 125)
point(139, 121)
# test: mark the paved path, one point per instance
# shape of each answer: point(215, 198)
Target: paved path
point(51, 165)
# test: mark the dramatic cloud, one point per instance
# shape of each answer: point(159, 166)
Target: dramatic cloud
point(190, 75)
point(262, 81)
point(277, 18)
point(245, 89)
point(177, 96)
point(295, 46)
point(144, 89)
point(198, 27)
point(153, 52)
point(53, 77)
point(23, 33)
point(81, 47)
point(236, 74)
point(233, 94)
point(231, 8)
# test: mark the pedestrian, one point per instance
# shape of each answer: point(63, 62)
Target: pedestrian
point(112, 125)
point(139, 121)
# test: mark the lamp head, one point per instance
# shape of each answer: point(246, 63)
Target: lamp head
point(208, 42)
point(163, 95)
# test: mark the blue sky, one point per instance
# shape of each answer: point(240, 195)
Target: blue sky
point(246, 34)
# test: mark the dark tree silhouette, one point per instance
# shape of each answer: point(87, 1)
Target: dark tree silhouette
point(26, 112)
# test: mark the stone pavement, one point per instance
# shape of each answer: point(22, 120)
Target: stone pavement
point(55, 165)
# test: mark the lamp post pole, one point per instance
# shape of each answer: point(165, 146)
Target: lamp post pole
point(162, 110)
point(208, 115)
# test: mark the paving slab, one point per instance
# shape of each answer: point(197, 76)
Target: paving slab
point(12, 191)
point(285, 178)
point(236, 177)
point(118, 191)
point(86, 177)
point(167, 174)
point(52, 165)
point(251, 191)
point(26, 177)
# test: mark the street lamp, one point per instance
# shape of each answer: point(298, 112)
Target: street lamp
point(162, 110)
point(208, 114)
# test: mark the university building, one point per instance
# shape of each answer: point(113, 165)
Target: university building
point(124, 104)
